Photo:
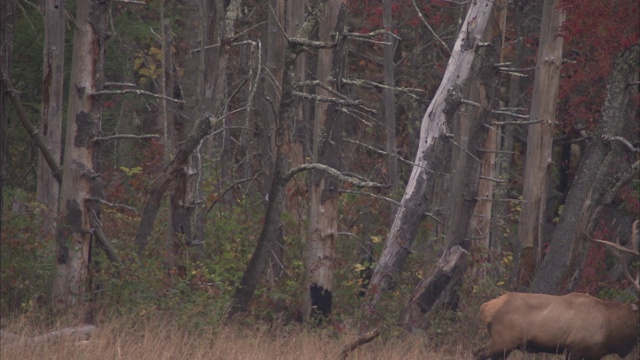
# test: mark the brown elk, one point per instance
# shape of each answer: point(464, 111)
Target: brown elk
point(578, 325)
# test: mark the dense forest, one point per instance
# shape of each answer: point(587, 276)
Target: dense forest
point(357, 167)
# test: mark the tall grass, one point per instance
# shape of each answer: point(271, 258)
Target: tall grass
point(164, 339)
point(158, 338)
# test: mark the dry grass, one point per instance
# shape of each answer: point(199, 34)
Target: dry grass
point(161, 339)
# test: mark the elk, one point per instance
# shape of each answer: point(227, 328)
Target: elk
point(578, 325)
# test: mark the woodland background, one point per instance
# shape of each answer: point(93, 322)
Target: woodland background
point(291, 168)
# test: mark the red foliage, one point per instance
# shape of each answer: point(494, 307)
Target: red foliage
point(403, 13)
point(595, 33)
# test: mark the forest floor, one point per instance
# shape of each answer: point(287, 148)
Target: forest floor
point(164, 339)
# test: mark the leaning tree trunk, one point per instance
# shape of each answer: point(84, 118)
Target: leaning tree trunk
point(470, 128)
point(273, 141)
point(591, 183)
point(51, 123)
point(170, 175)
point(272, 229)
point(81, 186)
point(320, 251)
point(433, 136)
point(539, 141)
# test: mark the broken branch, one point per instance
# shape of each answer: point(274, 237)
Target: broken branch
point(361, 340)
point(33, 132)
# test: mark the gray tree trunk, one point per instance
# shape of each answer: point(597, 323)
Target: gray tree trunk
point(591, 183)
point(526, 22)
point(479, 230)
point(540, 141)
point(274, 141)
point(7, 16)
point(470, 128)
point(50, 128)
point(433, 137)
point(80, 184)
point(320, 250)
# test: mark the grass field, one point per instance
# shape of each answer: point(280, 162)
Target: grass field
point(158, 339)
point(161, 338)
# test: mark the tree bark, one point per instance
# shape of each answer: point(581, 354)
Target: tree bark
point(48, 188)
point(184, 199)
point(470, 128)
point(79, 181)
point(320, 251)
point(202, 128)
point(276, 86)
point(540, 141)
point(433, 136)
point(479, 230)
point(450, 266)
point(524, 13)
point(7, 16)
point(284, 110)
point(590, 184)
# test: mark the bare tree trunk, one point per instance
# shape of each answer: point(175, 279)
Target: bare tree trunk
point(540, 141)
point(525, 19)
point(590, 184)
point(276, 160)
point(80, 184)
point(170, 174)
point(479, 230)
point(296, 11)
point(433, 136)
point(51, 123)
point(7, 17)
point(470, 130)
point(185, 200)
point(269, 104)
point(320, 251)
point(281, 113)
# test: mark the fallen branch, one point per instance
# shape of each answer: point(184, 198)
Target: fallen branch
point(361, 340)
point(74, 333)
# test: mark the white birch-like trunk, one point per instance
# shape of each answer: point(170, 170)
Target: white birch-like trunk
point(433, 133)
